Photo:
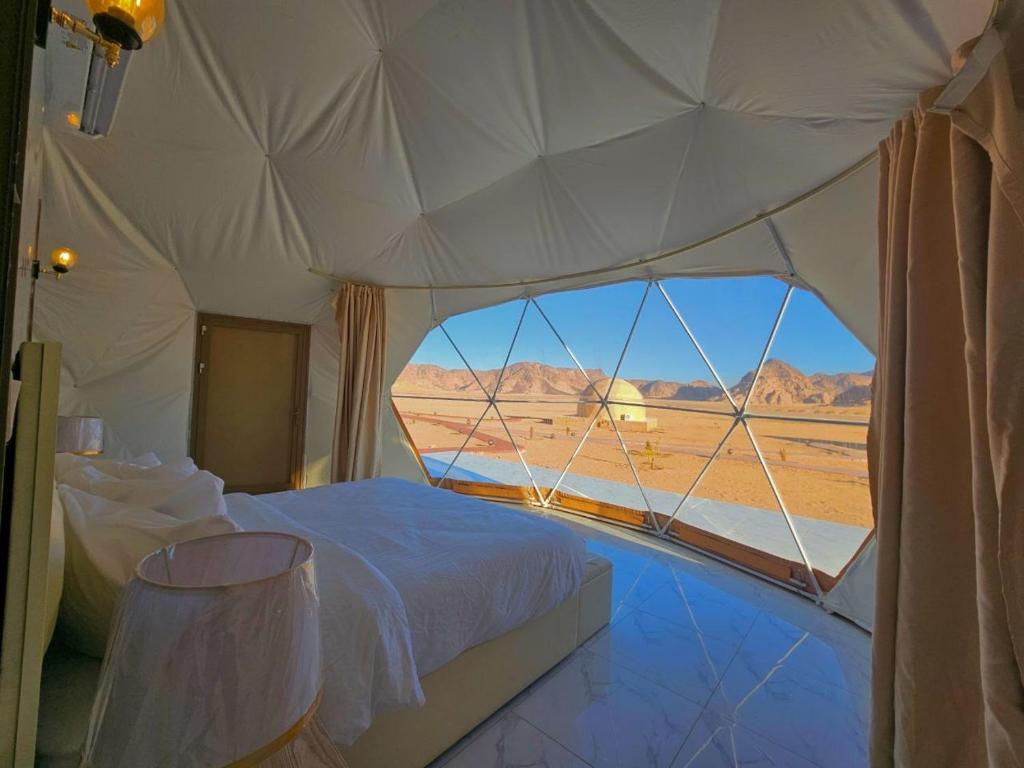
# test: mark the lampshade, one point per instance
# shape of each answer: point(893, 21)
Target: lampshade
point(214, 655)
point(129, 23)
point(79, 434)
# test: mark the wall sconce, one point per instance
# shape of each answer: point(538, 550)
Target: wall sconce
point(62, 261)
point(121, 26)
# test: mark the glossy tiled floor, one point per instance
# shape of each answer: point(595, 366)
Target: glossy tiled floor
point(701, 667)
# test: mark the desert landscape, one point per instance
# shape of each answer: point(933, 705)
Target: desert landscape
point(820, 468)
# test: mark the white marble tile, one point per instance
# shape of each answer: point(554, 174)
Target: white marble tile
point(689, 599)
point(677, 657)
point(717, 742)
point(786, 688)
point(774, 642)
point(511, 741)
point(632, 588)
point(609, 716)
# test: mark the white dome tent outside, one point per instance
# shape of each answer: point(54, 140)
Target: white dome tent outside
point(462, 154)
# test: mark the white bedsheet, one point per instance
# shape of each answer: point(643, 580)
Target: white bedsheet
point(462, 570)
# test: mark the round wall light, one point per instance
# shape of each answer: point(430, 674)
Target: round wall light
point(63, 260)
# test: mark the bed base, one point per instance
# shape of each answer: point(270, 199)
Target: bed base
point(470, 688)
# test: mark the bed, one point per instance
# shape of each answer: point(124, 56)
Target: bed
point(492, 598)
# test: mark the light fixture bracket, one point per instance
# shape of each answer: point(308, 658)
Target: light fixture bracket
point(75, 25)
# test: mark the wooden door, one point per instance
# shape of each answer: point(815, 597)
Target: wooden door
point(249, 402)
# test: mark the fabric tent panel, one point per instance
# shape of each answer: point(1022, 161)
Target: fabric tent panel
point(867, 76)
point(264, 290)
point(90, 312)
point(141, 385)
point(77, 208)
point(453, 154)
point(526, 224)
point(749, 250)
point(278, 102)
point(741, 164)
point(321, 404)
point(626, 185)
point(498, 93)
point(348, 178)
point(385, 22)
point(591, 86)
point(830, 240)
point(236, 212)
point(673, 38)
point(854, 595)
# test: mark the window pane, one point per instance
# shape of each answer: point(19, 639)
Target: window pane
point(547, 434)
point(816, 367)
point(821, 471)
point(734, 501)
point(439, 428)
point(437, 369)
point(540, 368)
point(731, 318)
point(662, 366)
point(669, 449)
point(601, 471)
point(485, 337)
point(490, 457)
point(594, 323)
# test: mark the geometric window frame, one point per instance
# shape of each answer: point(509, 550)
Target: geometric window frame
point(803, 575)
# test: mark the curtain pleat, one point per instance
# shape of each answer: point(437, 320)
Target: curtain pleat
point(361, 315)
point(946, 442)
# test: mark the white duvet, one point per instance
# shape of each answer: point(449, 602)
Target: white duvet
point(409, 578)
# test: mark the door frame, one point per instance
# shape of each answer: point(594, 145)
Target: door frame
point(300, 386)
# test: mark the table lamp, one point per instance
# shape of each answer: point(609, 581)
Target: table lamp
point(214, 659)
point(79, 434)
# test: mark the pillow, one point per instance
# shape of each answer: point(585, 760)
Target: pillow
point(65, 462)
point(105, 541)
point(186, 498)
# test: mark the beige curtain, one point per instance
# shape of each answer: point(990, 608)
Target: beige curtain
point(947, 437)
point(362, 330)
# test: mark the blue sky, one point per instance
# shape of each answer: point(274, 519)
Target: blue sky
point(730, 317)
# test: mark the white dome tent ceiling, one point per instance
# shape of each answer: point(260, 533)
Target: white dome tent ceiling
point(442, 143)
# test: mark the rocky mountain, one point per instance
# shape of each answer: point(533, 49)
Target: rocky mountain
point(779, 384)
point(674, 390)
point(520, 379)
point(782, 384)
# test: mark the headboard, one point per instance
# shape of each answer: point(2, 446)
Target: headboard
point(36, 554)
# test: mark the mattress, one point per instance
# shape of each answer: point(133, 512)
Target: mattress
point(467, 570)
